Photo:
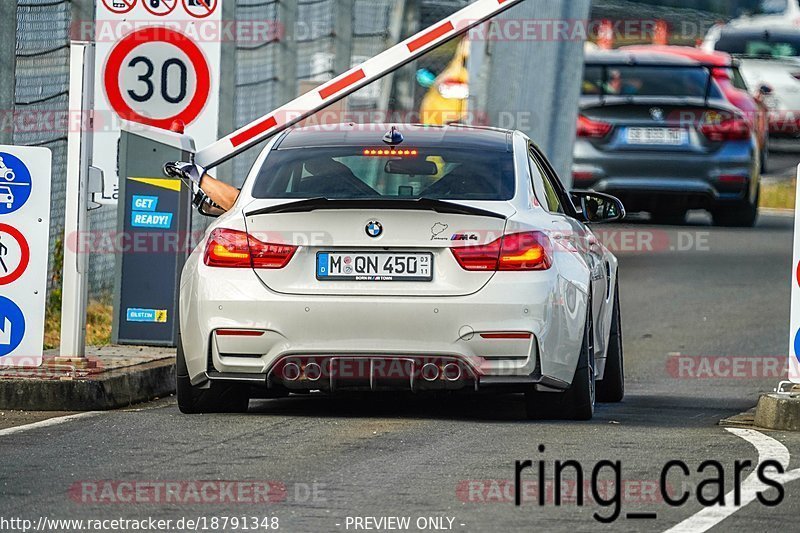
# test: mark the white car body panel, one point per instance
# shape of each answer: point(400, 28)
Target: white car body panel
point(301, 317)
point(778, 75)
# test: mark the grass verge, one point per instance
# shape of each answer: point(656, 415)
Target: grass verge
point(778, 194)
point(99, 315)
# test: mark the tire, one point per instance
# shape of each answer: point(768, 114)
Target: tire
point(741, 215)
point(577, 402)
point(218, 398)
point(673, 217)
point(611, 389)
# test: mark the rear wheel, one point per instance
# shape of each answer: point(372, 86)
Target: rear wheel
point(577, 402)
point(218, 398)
point(739, 215)
point(611, 389)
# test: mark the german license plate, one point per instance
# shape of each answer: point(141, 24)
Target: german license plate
point(374, 266)
point(657, 136)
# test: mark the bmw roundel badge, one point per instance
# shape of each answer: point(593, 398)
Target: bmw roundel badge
point(374, 229)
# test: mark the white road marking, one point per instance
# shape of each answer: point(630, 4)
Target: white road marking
point(47, 423)
point(776, 212)
point(768, 449)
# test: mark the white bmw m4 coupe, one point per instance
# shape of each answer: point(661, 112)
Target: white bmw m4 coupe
point(445, 259)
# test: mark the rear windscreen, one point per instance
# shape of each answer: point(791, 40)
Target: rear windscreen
point(771, 7)
point(649, 81)
point(383, 172)
point(767, 45)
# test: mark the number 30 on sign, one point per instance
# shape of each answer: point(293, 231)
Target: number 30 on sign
point(157, 75)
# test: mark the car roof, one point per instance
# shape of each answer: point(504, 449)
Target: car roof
point(718, 59)
point(636, 57)
point(371, 135)
point(761, 31)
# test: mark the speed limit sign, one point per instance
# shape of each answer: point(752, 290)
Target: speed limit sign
point(154, 67)
point(157, 75)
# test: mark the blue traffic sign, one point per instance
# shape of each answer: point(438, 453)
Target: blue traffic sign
point(797, 346)
point(15, 183)
point(12, 326)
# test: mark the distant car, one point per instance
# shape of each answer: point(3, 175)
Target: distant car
point(6, 196)
point(656, 131)
point(770, 61)
point(447, 100)
point(452, 261)
point(771, 12)
point(725, 70)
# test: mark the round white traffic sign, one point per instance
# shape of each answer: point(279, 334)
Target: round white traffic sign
point(15, 254)
point(160, 8)
point(120, 7)
point(200, 8)
point(156, 76)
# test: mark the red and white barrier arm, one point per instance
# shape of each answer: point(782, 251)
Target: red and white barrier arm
point(373, 69)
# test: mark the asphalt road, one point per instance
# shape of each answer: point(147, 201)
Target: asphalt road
point(783, 159)
point(689, 294)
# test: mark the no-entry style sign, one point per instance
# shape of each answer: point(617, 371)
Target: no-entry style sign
point(25, 176)
point(15, 254)
point(155, 76)
point(119, 7)
point(162, 69)
point(200, 8)
point(160, 8)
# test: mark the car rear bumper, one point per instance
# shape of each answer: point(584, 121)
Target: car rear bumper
point(233, 328)
point(374, 373)
point(646, 180)
point(784, 124)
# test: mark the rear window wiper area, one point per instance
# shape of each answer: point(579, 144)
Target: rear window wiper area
point(420, 204)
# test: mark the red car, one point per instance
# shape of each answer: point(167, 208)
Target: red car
point(731, 83)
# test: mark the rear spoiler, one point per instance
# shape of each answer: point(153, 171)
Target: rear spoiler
point(421, 204)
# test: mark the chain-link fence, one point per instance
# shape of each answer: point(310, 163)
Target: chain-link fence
point(41, 89)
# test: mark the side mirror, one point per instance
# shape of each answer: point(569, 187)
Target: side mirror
point(597, 207)
point(205, 208)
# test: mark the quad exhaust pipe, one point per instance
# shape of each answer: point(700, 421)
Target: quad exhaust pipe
point(430, 372)
point(313, 372)
point(451, 372)
point(291, 372)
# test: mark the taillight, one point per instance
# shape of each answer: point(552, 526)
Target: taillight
point(520, 251)
point(729, 129)
point(592, 128)
point(453, 89)
point(228, 248)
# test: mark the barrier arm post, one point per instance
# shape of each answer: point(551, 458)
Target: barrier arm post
point(79, 148)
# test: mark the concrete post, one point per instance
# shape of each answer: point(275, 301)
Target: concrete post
point(227, 101)
point(343, 35)
point(287, 68)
